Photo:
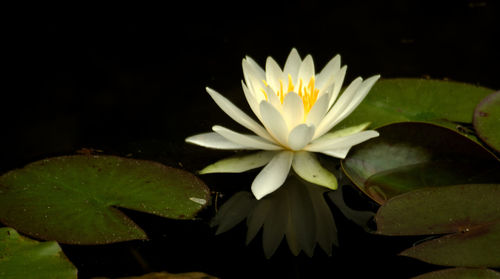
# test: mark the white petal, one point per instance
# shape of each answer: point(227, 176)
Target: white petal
point(306, 165)
point(293, 109)
point(252, 101)
point(274, 122)
point(327, 76)
point(238, 115)
point(327, 143)
point(340, 153)
point(358, 97)
point(292, 65)
point(254, 75)
point(318, 111)
point(272, 98)
point(330, 118)
point(273, 74)
point(306, 70)
point(300, 136)
point(260, 91)
point(213, 140)
point(346, 131)
point(337, 85)
point(240, 163)
point(256, 70)
point(249, 141)
point(273, 175)
point(327, 90)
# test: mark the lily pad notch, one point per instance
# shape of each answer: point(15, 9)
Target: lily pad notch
point(74, 199)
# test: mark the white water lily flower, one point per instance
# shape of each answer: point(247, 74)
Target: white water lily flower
point(297, 108)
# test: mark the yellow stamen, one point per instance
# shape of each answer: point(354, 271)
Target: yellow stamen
point(308, 93)
point(290, 83)
point(264, 91)
point(280, 92)
point(300, 89)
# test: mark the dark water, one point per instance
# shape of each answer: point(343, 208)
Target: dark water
point(133, 83)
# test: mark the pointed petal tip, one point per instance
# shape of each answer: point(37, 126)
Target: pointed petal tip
point(210, 91)
point(201, 172)
point(373, 78)
point(257, 195)
point(273, 175)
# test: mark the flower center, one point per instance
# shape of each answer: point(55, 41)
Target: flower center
point(306, 91)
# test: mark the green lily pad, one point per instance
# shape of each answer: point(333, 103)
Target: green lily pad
point(21, 257)
point(408, 156)
point(461, 273)
point(75, 199)
point(487, 120)
point(467, 215)
point(443, 103)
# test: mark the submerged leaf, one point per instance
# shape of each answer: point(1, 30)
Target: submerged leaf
point(21, 257)
point(408, 156)
point(74, 199)
point(468, 215)
point(487, 120)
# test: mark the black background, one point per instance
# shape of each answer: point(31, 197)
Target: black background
point(130, 81)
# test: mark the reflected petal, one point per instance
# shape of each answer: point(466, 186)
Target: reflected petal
point(298, 210)
point(233, 211)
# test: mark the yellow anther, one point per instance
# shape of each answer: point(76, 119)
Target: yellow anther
point(281, 93)
point(300, 88)
point(264, 92)
point(290, 83)
point(308, 93)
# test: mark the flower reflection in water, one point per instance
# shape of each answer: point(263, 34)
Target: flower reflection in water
point(297, 211)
